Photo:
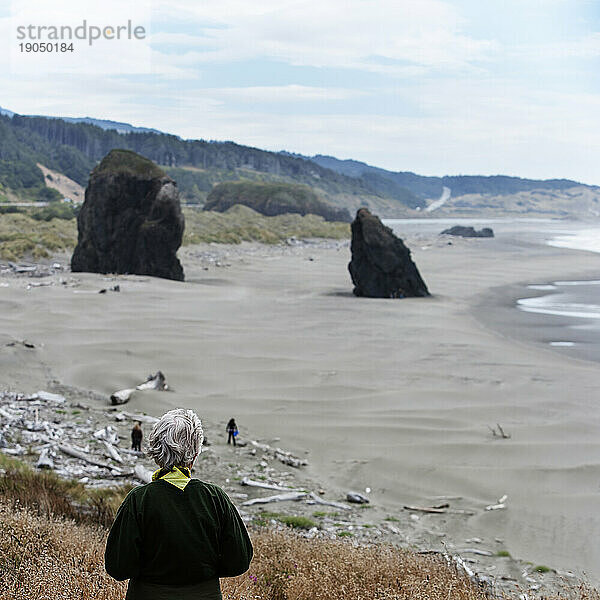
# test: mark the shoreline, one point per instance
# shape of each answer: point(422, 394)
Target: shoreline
point(338, 351)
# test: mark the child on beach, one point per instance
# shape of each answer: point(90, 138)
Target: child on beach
point(136, 437)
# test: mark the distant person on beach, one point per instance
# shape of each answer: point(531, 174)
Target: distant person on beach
point(136, 437)
point(232, 431)
point(174, 537)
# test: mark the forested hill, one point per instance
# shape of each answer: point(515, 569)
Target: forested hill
point(74, 148)
point(431, 187)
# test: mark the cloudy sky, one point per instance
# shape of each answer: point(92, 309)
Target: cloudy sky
point(432, 86)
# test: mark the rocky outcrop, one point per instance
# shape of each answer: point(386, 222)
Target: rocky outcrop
point(462, 231)
point(271, 199)
point(381, 266)
point(131, 220)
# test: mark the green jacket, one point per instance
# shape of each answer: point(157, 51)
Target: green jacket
point(177, 531)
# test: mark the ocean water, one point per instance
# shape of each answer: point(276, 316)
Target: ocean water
point(573, 304)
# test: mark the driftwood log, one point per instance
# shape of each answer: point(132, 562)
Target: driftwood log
point(291, 496)
point(356, 498)
point(112, 452)
point(75, 453)
point(267, 486)
point(428, 509)
point(143, 474)
point(318, 500)
point(45, 460)
point(121, 397)
point(108, 434)
point(499, 505)
point(154, 382)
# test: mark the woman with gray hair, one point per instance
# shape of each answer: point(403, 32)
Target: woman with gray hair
point(174, 537)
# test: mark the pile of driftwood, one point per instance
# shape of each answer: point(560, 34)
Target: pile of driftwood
point(70, 439)
point(31, 270)
point(281, 455)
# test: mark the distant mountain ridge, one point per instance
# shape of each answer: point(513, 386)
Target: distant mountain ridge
point(73, 146)
point(431, 187)
point(102, 123)
point(110, 125)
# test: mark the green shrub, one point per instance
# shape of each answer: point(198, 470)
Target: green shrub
point(61, 210)
point(297, 522)
point(542, 569)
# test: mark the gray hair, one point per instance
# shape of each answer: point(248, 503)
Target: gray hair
point(176, 439)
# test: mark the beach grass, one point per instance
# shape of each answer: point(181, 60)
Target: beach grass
point(39, 232)
point(21, 236)
point(51, 495)
point(242, 224)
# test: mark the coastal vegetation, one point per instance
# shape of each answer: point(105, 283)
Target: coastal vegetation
point(240, 223)
point(38, 232)
point(30, 235)
point(273, 199)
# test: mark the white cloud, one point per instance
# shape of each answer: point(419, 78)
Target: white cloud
point(336, 33)
point(585, 47)
point(283, 93)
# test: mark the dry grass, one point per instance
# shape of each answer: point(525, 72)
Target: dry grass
point(44, 558)
point(49, 495)
point(287, 566)
point(21, 236)
point(240, 224)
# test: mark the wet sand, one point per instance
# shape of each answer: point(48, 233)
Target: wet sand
point(392, 395)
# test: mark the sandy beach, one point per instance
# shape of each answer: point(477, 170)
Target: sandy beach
point(396, 396)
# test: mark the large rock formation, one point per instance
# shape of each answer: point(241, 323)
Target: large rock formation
point(131, 220)
point(462, 231)
point(381, 266)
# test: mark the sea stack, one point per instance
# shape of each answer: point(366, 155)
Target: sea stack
point(130, 221)
point(381, 266)
point(462, 231)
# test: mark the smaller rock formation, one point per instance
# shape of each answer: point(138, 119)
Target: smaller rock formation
point(462, 231)
point(131, 220)
point(381, 266)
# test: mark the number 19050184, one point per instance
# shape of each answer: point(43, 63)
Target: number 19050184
point(46, 47)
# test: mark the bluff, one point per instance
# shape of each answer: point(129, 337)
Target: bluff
point(130, 221)
point(272, 199)
point(381, 265)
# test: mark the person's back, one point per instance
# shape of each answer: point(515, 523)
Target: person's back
point(136, 437)
point(232, 431)
point(175, 537)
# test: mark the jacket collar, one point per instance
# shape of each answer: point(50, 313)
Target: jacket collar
point(177, 476)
